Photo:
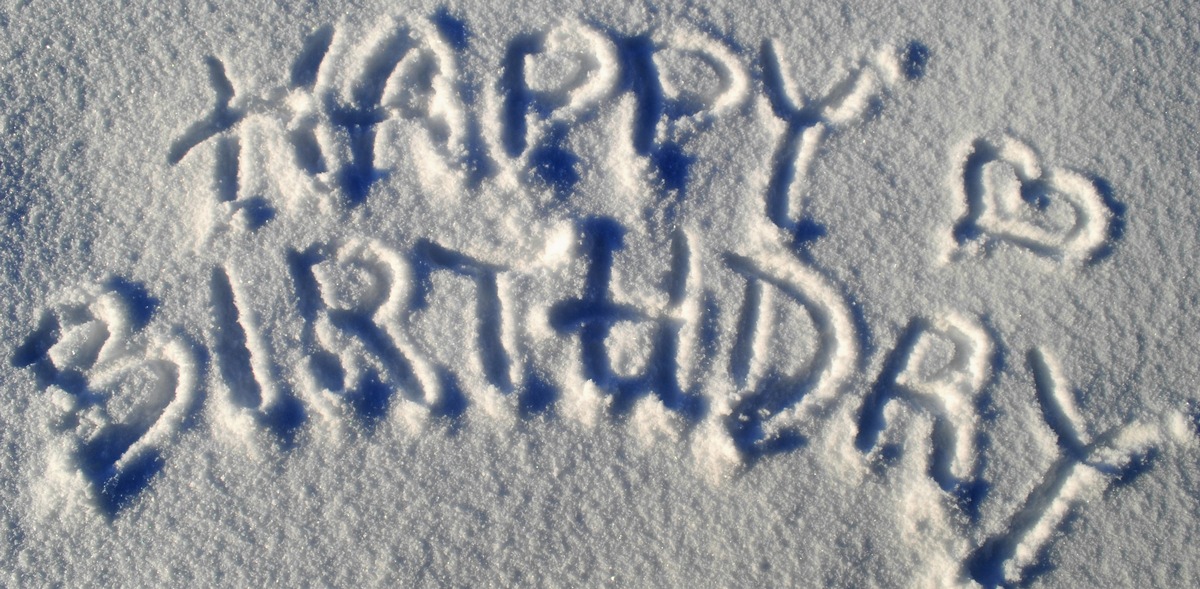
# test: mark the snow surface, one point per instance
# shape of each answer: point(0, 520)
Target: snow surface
point(599, 294)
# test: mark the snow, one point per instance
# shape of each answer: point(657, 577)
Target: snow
point(591, 293)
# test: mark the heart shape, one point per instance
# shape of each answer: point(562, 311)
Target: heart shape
point(147, 398)
point(1056, 213)
point(125, 401)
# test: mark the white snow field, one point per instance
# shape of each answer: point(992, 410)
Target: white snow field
point(599, 294)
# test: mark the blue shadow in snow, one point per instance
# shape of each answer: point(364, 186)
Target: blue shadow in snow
point(915, 60)
point(141, 304)
point(117, 489)
point(453, 29)
point(98, 456)
point(371, 396)
point(641, 78)
point(231, 354)
point(554, 165)
point(516, 96)
point(969, 493)
point(312, 54)
point(1116, 224)
point(429, 257)
point(538, 396)
point(593, 316)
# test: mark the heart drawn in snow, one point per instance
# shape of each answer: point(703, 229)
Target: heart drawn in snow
point(142, 402)
point(1056, 213)
point(122, 401)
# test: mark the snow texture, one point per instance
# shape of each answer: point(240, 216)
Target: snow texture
point(887, 294)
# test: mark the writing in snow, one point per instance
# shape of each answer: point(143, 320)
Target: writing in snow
point(695, 357)
point(732, 341)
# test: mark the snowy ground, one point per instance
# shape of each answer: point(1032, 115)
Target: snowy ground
point(599, 294)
